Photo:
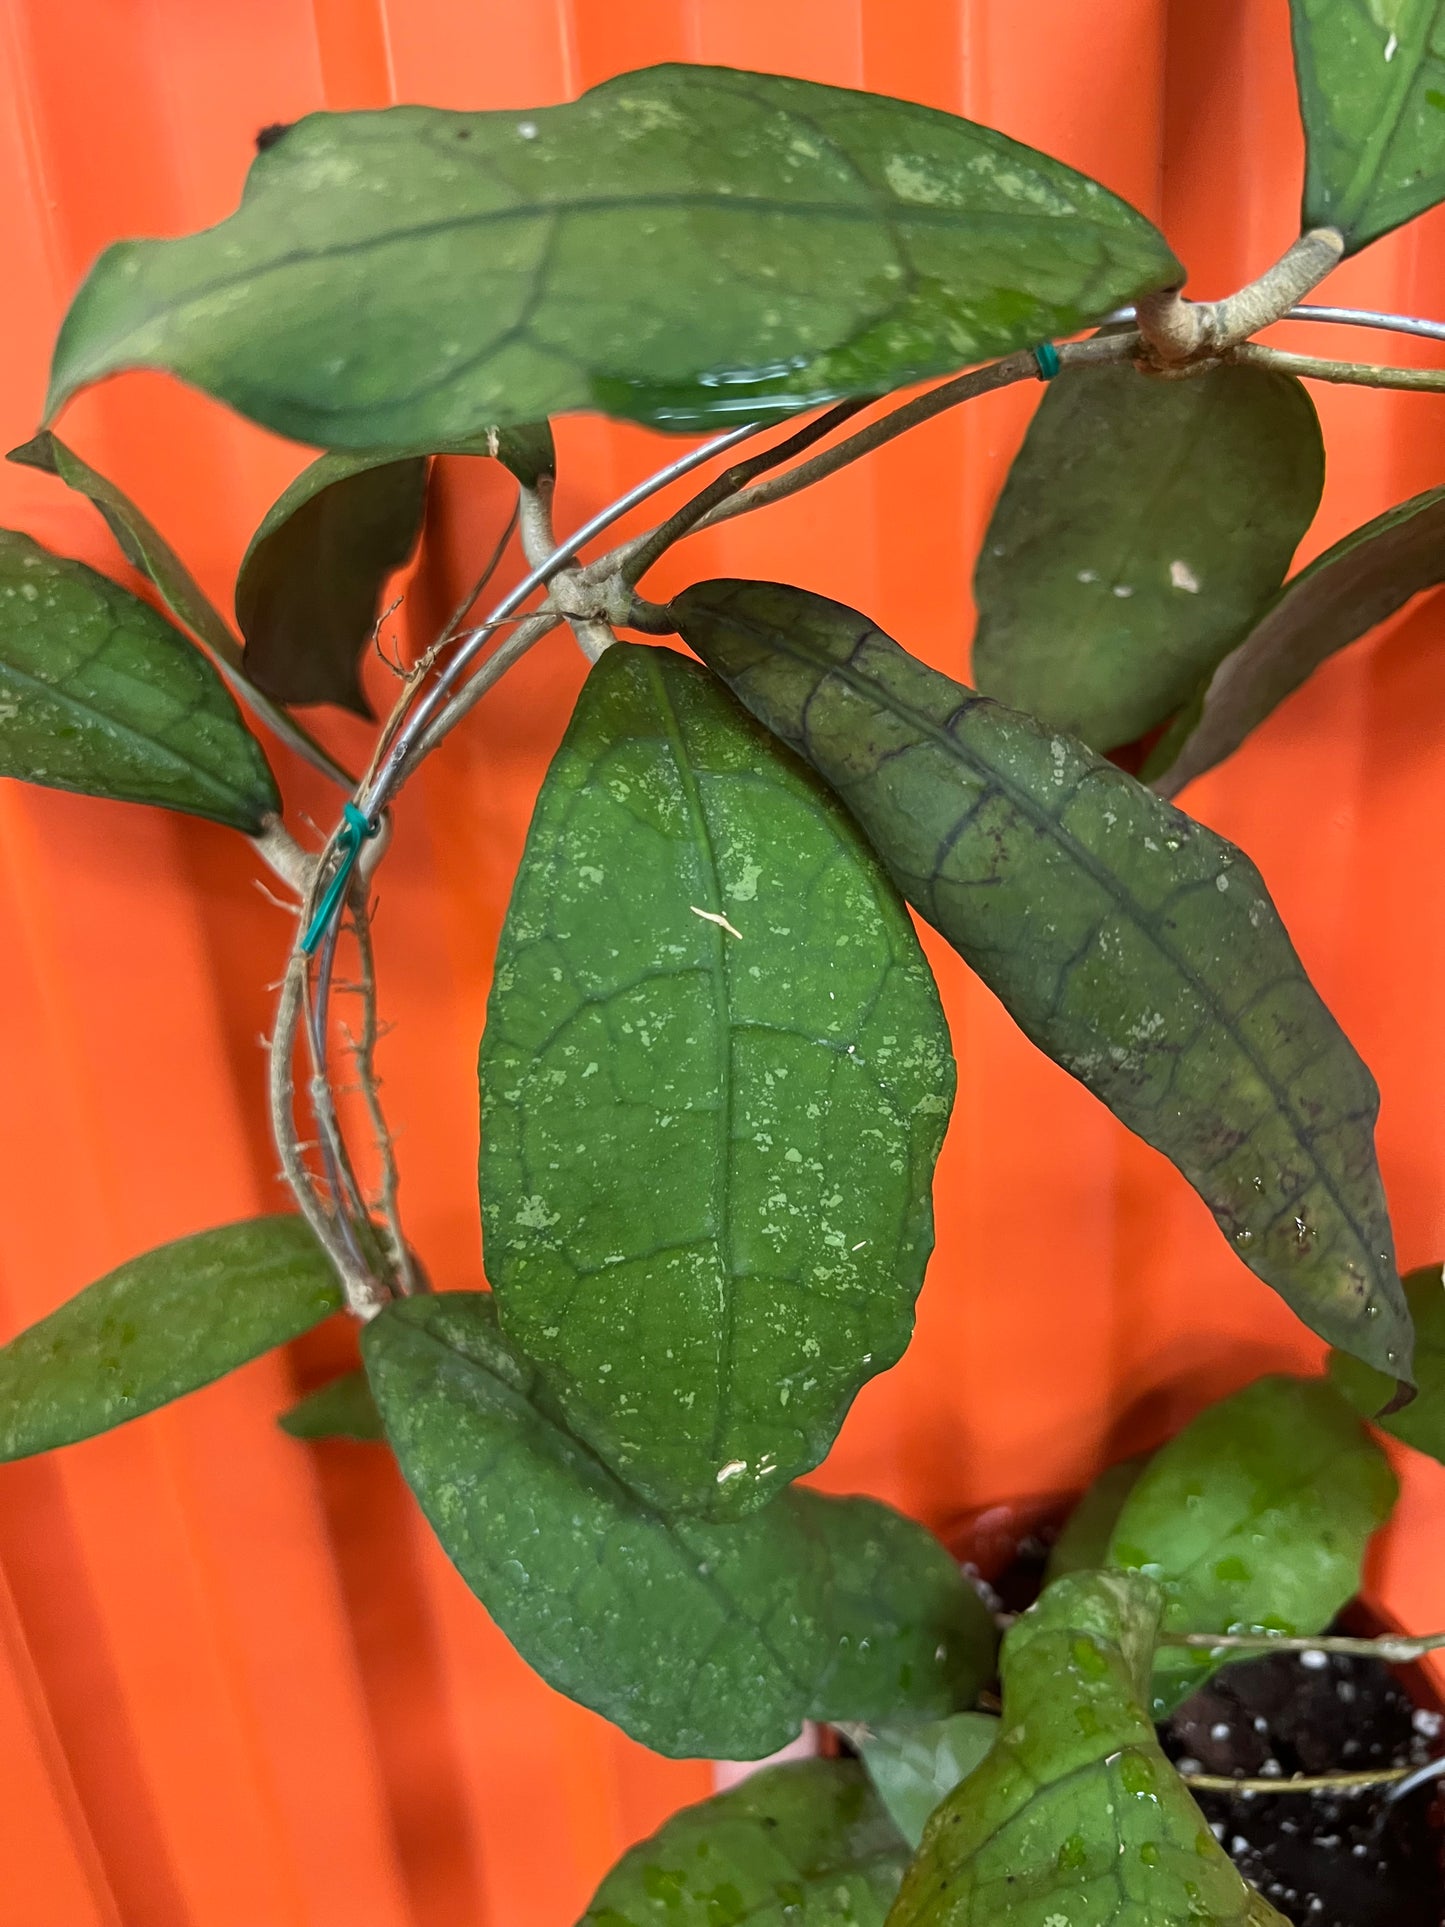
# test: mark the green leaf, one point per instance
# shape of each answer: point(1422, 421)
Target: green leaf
point(806, 1845)
point(1340, 597)
point(1422, 1422)
point(1083, 1545)
point(344, 1409)
point(1135, 947)
point(715, 1078)
point(1254, 1519)
point(681, 246)
point(158, 1327)
point(1076, 1815)
point(914, 1767)
point(100, 694)
point(696, 1639)
point(1371, 79)
point(1142, 527)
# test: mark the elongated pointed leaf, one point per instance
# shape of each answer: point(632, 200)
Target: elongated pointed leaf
point(1340, 597)
point(695, 1639)
point(1141, 951)
point(806, 1845)
point(914, 1768)
point(1255, 1518)
point(1372, 91)
point(1422, 1422)
point(100, 694)
point(344, 1409)
point(715, 1078)
point(682, 246)
point(1083, 1545)
point(1076, 1816)
point(159, 1327)
point(1143, 525)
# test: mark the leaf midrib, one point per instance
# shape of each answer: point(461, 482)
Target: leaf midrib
point(1356, 196)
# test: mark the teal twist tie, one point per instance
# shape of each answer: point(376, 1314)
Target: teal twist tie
point(355, 830)
point(1047, 357)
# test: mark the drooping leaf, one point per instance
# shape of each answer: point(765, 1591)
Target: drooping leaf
point(715, 1078)
point(1254, 1518)
point(158, 1327)
point(344, 1409)
point(1422, 1422)
point(100, 694)
point(806, 1845)
point(1137, 948)
point(1340, 597)
point(1143, 525)
point(391, 278)
point(1076, 1816)
point(915, 1767)
point(1371, 79)
point(1083, 1545)
point(696, 1639)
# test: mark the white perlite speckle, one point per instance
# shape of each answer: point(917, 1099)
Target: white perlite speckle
point(731, 1470)
point(1183, 577)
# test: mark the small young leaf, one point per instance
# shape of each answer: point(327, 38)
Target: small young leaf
point(1340, 597)
point(1371, 79)
point(1138, 949)
point(344, 1409)
point(1143, 525)
point(1076, 1815)
point(696, 1639)
point(1255, 1517)
point(395, 278)
point(1083, 1545)
point(914, 1767)
point(100, 694)
point(159, 1327)
point(715, 1078)
point(1422, 1422)
point(806, 1845)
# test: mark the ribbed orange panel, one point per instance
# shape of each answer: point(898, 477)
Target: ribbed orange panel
point(238, 1682)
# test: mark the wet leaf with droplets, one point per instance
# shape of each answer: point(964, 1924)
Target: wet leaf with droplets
point(1083, 1545)
point(915, 1767)
point(1421, 1423)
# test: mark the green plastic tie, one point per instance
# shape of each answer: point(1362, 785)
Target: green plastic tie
point(1047, 357)
point(355, 830)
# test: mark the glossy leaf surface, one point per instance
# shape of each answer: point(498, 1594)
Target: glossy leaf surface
point(1255, 1518)
point(715, 1078)
point(915, 1767)
point(806, 1845)
point(695, 1639)
point(344, 1409)
point(1143, 525)
point(1422, 1422)
point(1137, 948)
point(98, 693)
point(1083, 1545)
point(391, 278)
point(158, 1327)
point(1076, 1816)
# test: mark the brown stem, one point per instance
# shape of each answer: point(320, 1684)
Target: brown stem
point(1177, 330)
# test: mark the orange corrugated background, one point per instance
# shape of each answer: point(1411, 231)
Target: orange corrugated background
point(239, 1685)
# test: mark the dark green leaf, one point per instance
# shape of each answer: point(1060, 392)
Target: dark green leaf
point(1137, 948)
point(344, 1409)
point(1076, 1815)
point(1372, 91)
point(1254, 1519)
point(1340, 597)
point(695, 1639)
point(794, 1846)
point(1421, 1423)
point(159, 1327)
point(914, 1767)
point(1083, 1545)
point(100, 694)
point(715, 1078)
point(682, 246)
point(1143, 525)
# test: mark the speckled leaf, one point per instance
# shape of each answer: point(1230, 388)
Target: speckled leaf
point(1372, 91)
point(1083, 1545)
point(1340, 597)
point(344, 1409)
point(1143, 525)
point(715, 1078)
point(1255, 1518)
point(1137, 948)
point(1422, 1422)
point(100, 694)
point(1076, 1819)
point(914, 1767)
point(682, 246)
point(806, 1845)
point(695, 1639)
point(159, 1327)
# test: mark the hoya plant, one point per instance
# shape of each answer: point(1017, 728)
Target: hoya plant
point(715, 1074)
